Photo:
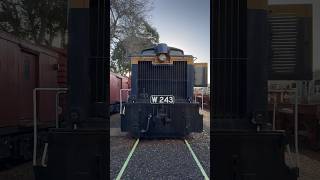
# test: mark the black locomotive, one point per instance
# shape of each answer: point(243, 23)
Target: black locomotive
point(160, 104)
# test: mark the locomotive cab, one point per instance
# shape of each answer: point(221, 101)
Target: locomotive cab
point(160, 104)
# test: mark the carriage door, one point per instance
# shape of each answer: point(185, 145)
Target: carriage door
point(28, 83)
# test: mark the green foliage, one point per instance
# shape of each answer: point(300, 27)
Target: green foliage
point(39, 21)
point(151, 33)
point(119, 62)
point(132, 44)
point(130, 32)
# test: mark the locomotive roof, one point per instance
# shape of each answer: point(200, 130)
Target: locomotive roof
point(161, 48)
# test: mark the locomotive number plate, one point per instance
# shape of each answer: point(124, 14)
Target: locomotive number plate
point(162, 99)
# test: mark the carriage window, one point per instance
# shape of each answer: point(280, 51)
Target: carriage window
point(26, 71)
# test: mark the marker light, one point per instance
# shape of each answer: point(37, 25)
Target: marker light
point(162, 57)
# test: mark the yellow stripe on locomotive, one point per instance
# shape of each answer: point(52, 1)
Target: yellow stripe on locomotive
point(162, 55)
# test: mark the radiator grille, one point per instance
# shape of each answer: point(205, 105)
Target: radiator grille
point(163, 79)
point(229, 63)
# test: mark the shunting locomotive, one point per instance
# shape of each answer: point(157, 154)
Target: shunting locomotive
point(160, 104)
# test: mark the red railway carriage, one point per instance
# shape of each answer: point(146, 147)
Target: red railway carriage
point(62, 77)
point(23, 67)
point(197, 95)
point(118, 82)
point(308, 117)
point(61, 67)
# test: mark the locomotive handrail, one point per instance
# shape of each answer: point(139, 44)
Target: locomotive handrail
point(202, 98)
point(274, 112)
point(57, 104)
point(202, 93)
point(296, 120)
point(296, 123)
point(121, 98)
point(35, 130)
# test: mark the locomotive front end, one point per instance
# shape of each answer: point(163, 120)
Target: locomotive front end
point(160, 104)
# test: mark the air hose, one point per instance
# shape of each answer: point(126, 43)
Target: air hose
point(148, 123)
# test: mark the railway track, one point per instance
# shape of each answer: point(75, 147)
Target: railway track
point(162, 159)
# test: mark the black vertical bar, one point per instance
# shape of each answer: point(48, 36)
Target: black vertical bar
point(78, 65)
point(232, 97)
point(228, 62)
point(146, 81)
point(238, 60)
point(99, 64)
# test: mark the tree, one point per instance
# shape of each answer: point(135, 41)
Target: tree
point(119, 63)
point(129, 31)
point(125, 16)
point(145, 37)
point(39, 21)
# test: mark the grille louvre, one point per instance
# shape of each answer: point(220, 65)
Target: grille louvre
point(163, 79)
point(290, 42)
point(284, 42)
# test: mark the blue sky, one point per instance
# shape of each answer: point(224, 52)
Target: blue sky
point(184, 24)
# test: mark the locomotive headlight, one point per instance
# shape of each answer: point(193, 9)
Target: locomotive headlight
point(162, 57)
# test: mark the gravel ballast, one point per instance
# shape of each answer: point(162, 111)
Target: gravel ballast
point(162, 159)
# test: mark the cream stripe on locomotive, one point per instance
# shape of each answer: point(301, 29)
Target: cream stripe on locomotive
point(154, 59)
